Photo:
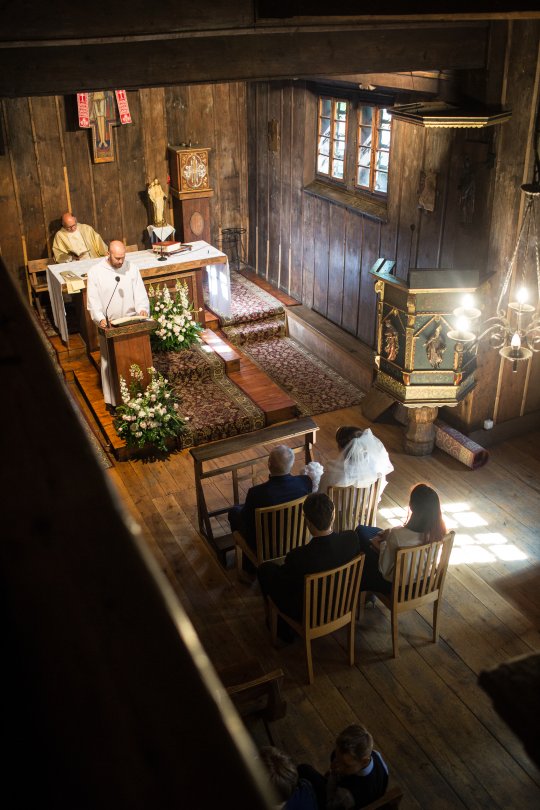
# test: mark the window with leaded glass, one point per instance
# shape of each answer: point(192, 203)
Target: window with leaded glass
point(353, 145)
point(332, 137)
point(373, 149)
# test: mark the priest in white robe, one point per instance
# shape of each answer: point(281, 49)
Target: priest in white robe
point(75, 241)
point(115, 289)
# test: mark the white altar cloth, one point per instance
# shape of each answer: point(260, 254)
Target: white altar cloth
point(219, 283)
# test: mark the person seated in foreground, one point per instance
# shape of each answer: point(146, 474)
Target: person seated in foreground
point(358, 775)
point(294, 793)
point(284, 584)
point(75, 241)
point(362, 457)
point(424, 524)
point(281, 487)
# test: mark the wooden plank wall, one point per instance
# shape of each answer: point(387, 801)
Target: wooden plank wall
point(330, 249)
point(47, 165)
point(321, 252)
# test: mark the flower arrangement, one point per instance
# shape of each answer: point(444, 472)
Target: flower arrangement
point(177, 328)
point(147, 417)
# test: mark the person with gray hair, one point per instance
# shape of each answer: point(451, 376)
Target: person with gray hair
point(281, 487)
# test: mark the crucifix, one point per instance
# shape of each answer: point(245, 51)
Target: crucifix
point(102, 118)
point(97, 111)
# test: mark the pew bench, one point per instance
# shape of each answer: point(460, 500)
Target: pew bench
point(304, 428)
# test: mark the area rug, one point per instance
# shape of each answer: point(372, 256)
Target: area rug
point(248, 302)
point(214, 406)
point(315, 387)
point(257, 327)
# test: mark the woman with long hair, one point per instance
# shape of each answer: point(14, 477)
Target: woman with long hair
point(424, 524)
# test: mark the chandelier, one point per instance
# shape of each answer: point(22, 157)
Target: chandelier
point(515, 330)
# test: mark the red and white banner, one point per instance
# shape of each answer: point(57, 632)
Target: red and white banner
point(82, 107)
point(123, 106)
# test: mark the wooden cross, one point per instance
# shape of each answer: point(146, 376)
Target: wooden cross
point(102, 117)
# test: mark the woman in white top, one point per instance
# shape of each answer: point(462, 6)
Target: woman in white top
point(424, 524)
point(362, 458)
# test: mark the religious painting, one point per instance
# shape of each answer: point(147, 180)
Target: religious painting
point(98, 112)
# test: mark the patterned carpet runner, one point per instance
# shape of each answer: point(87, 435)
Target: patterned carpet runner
point(256, 325)
point(215, 407)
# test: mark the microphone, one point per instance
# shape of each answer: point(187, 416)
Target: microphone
point(117, 279)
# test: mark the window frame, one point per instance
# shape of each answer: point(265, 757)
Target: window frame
point(349, 183)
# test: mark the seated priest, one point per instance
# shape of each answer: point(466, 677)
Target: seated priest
point(280, 488)
point(115, 289)
point(75, 241)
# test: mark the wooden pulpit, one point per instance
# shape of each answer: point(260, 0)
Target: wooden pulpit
point(128, 345)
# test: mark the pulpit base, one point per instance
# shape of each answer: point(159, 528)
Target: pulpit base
point(420, 432)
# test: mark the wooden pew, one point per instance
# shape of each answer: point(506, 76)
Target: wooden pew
point(275, 434)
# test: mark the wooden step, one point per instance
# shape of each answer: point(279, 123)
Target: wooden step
point(228, 354)
point(211, 320)
point(75, 349)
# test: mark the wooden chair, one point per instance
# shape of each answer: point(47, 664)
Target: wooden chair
point(36, 271)
point(355, 505)
point(390, 801)
point(256, 694)
point(330, 602)
point(419, 577)
point(131, 248)
point(278, 529)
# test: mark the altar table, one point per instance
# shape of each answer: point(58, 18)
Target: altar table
point(184, 266)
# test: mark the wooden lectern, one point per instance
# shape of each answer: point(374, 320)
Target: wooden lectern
point(127, 345)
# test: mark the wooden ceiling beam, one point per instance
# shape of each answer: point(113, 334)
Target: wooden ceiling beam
point(61, 68)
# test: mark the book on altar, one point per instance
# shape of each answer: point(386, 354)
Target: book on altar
point(126, 320)
point(73, 282)
point(170, 247)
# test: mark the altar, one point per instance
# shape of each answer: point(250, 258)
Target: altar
point(186, 266)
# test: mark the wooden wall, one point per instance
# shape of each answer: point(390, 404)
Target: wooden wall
point(320, 251)
point(47, 165)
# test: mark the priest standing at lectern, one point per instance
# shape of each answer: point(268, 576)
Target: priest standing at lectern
point(115, 289)
point(75, 241)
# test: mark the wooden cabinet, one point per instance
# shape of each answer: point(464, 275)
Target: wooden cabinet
point(190, 191)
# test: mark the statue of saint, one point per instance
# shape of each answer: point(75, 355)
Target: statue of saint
point(435, 347)
point(391, 342)
point(157, 198)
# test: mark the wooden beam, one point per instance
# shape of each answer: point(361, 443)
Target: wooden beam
point(67, 67)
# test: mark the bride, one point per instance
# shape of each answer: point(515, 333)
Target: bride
point(362, 457)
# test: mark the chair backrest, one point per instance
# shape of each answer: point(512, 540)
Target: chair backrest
point(279, 529)
point(330, 597)
point(420, 571)
point(131, 248)
point(355, 505)
point(37, 273)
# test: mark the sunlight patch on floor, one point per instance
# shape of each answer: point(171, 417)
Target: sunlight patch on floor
point(476, 547)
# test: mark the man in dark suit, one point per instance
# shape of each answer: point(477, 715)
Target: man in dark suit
point(280, 488)
point(326, 550)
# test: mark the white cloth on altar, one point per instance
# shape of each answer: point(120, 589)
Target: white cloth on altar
point(145, 259)
point(128, 297)
point(162, 233)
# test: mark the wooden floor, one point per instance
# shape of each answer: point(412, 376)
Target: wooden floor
point(443, 742)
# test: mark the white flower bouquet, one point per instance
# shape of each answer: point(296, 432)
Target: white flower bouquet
point(147, 417)
point(177, 328)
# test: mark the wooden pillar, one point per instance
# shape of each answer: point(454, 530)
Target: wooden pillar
point(420, 432)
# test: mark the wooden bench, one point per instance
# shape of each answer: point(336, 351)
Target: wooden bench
point(298, 428)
